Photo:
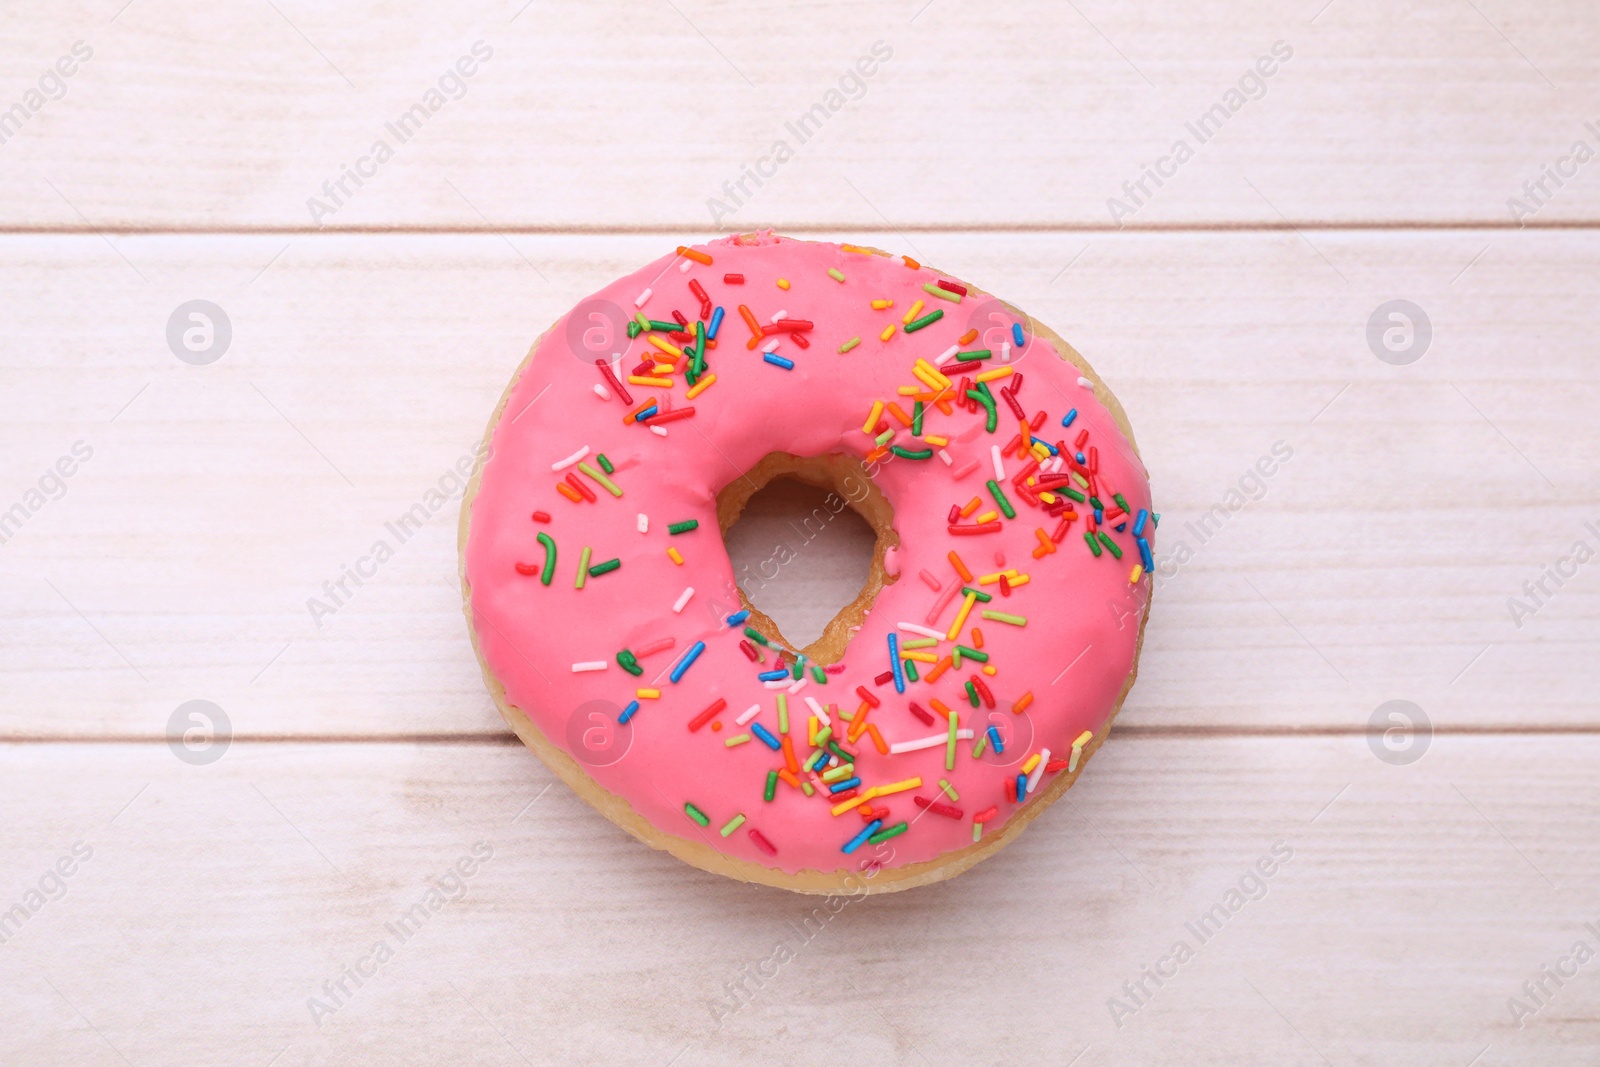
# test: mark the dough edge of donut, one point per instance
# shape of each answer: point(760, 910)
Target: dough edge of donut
point(846, 881)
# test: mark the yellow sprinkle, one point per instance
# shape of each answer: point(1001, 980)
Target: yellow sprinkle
point(1032, 762)
point(994, 372)
point(907, 390)
point(935, 439)
point(647, 694)
point(1021, 579)
point(1040, 452)
point(701, 386)
point(836, 275)
point(916, 309)
point(1083, 739)
point(1133, 575)
point(988, 668)
point(872, 417)
point(921, 642)
point(672, 554)
point(921, 657)
point(737, 740)
point(988, 516)
point(1047, 496)
point(640, 379)
point(879, 305)
point(783, 283)
point(888, 332)
point(991, 579)
point(857, 249)
point(854, 802)
point(811, 736)
point(961, 617)
point(894, 787)
point(666, 346)
point(935, 375)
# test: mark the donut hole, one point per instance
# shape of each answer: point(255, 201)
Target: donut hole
point(807, 538)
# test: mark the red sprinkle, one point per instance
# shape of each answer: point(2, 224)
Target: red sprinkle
point(883, 679)
point(669, 416)
point(733, 279)
point(862, 692)
point(1011, 402)
point(919, 713)
point(800, 340)
point(1056, 765)
point(707, 715)
point(968, 531)
point(939, 809)
point(699, 292)
point(951, 287)
point(605, 371)
point(541, 516)
point(983, 691)
point(527, 568)
point(988, 813)
point(750, 651)
point(583, 490)
point(761, 842)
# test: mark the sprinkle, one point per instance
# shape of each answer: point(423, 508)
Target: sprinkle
point(732, 824)
point(683, 527)
point(894, 831)
point(961, 617)
point(783, 283)
point(687, 661)
point(995, 373)
point(606, 483)
point(733, 279)
point(643, 523)
point(698, 257)
point(943, 294)
point(925, 631)
point(894, 663)
point(848, 345)
point(640, 300)
point(938, 808)
point(950, 745)
point(645, 379)
point(701, 386)
point(888, 332)
point(836, 275)
point(766, 736)
point(563, 464)
point(927, 742)
point(761, 842)
point(736, 740)
point(1006, 617)
point(873, 416)
point(860, 839)
point(583, 567)
point(912, 312)
point(647, 694)
point(683, 599)
point(673, 555)
point(1000, 498)
point(604, 568)
point(775, 675)
point(777, 361)
point(590, 665)
point(1111, 546)
point(911, 453)
point(696, 814)
point(927, 320)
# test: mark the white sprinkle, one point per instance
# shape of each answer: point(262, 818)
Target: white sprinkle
point(591, 665)
point(924, 631)
point(683, 598)
point(659, 431)
point(1056, 463)
point(751, 712)
point(927, 742)
point(949, 354)
point(775, 685)
point(1038, 770)
point(999, 464)
point(639, 303)
point(779, 316)
point(770, 346)
point(945, 456)
point(1086, 383)
point(563, 464)
point(801, 684)
point(644, 523)
point(1005, 351)
point(817, 710)
point(601, 391)
point(683, 268)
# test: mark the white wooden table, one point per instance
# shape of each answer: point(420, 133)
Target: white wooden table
point(211, 907)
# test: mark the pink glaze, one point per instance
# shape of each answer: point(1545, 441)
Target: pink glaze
point(1074, 654)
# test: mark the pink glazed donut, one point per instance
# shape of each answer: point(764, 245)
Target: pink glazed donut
point(956, 698)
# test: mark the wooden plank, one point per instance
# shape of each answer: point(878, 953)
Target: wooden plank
point(192, 114)
point(1413, 902)
point(1377, 563)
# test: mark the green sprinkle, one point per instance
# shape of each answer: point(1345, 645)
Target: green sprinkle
point(950, 742)
point(983, 743)
point(945, 294)
point(955, 658)
point(823, 735)
point(983, 598)
point(732, 824)
point(992, 417)
point(977, 831)
point(604, 568)
point(549, 571)
point(1002, 616)
point(583, 567)
point(844, 757)
point(669, 327)
point(910, 453)
point(772, 786)
point(921, 642)
point(836, 274)
point(798, 668)
point(605, 464)
point(805, 787)
point(1072, 493)
point(634, 329)
point(916, 419)
point(973, 356)
point(610, 486)
point(889, 831)
point(1122, 502)
point(910, 667)
point(927, 320)
point(736, 739)
point(839, 773)
point(883, 438)
point(950, 790)
point(1000, 498)
point(1094, 546)
point(644, 323)
point(972, 698)
point(629, 662)
point(755, 635)
point(972, 653)
point(683, 527)
point(696, 814)
point(819, 675)
point(1111, 546)
point(783, 714)
point(848, 345)
point(1098, 503)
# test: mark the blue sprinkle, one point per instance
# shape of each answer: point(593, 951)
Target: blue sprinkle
point(1081, 459)
point(777, 360)
point(1119, 527)
point(687, 661)
point(737, 617)
point(1099, 516)
point(1022, 787)
point(1054, 451)
point(1144, 553)
point(818, 760)
point(894, 662)
point(1066, 420)
point(766, 736)
point(628, 712)
point(1138, 522)
point(770, 676)
point(646, 413)
point(1016, 334)
point(860, 839)
point(716, 324)
point(994, 739)
point(840, 787)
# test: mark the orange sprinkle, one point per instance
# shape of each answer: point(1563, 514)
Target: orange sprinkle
point(716, 724)
point(1022, 703)
point(961, 568)
point(698, 257)
point(570, 493)
point(977, 637)
point(966, 510)
point(968, 337)
point(789, 777)
point(939, 668)
point(672, 554)
point(913, 264)
point(633, 416)
point(938, 705)
point(900, 416)
point(877, 740)
point(788, 757)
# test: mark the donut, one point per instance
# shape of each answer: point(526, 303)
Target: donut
point(961, 693)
